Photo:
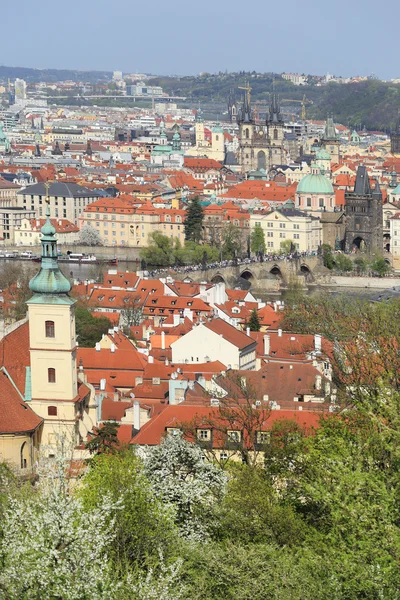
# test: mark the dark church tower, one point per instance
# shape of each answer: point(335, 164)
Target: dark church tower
point(364, 228)
point(276, 135)
point(395, 138)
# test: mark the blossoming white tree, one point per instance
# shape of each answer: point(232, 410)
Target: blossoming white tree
point(90, 236)
point(52, 549)
point(188, 483)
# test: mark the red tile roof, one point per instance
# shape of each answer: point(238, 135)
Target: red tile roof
point(16, 416)
point(175, 415)
point(15, 356)
point(230, 333)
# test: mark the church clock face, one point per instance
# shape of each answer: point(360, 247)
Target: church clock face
point(261, 133)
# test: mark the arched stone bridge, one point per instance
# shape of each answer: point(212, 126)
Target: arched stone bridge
point(268, 274)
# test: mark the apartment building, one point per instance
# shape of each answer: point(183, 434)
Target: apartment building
point(67, 200)
point(122, 222)
point(303, 229)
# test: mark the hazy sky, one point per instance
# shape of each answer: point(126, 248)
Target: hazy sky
point(346, 37)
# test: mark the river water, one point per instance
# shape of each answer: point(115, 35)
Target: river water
point(82, 272)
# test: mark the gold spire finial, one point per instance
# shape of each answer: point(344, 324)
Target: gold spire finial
point(47, 185)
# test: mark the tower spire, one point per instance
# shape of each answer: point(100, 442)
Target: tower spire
point(50, 280)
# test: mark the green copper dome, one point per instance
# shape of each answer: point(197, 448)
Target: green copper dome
point(315, 183)
point(50, 280)
point(217, 128)
point(323, 155)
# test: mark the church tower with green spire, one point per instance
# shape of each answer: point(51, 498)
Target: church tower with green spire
point(52, 340)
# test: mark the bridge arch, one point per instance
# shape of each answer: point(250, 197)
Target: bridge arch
point(276, 271)
point(306, 272)
point(218, 279)
point(247, 274)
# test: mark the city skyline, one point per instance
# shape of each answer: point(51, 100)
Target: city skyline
point(184, 40)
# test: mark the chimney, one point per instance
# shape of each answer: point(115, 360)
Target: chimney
point(151, 360)
point(166, 362)
point(317, 342)
point(318, 382)
point(136, 415)
point(112, 347)
point(177, 320)
point(248, 331)
point(102, 384)
point(162, 340)
point(97, 346)
point(267, 345)
point(279, 332)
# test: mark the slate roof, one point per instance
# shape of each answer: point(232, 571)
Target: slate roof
point(58, 188)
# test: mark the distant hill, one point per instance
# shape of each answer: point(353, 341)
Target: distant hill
point(52, 75)
point(373, 104)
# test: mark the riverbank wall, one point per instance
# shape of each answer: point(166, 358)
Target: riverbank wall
point(377, 283)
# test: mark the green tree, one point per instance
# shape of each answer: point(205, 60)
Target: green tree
point(231, 242)
point(287, 246)
point(160, 251)
point(104, 439)
point(257, 240)
point(380, 266)
point(89, 329)
point(194, 221)
point(343, 262)
point(361, 264)
point(327, 256)
point(144, 526)
point(251, 511)
point(194, 254)
point(254, 321)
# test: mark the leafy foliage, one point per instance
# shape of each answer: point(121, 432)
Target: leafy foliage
point(257, 240)
point(232, 242)
point(89, 329)
point(160, 250)
point(104, 439)
point(144, 526)
point(343, 262)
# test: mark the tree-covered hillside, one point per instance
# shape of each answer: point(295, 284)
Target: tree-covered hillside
point(373, 104)
point(52, 75)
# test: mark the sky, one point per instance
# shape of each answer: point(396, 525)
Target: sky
point(186, 37)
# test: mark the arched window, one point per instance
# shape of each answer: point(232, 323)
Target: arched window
point(247, 133)
point(52, 411)
point(50, 330)
point(275, 134)
point(23, 460)
point(51, 375)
